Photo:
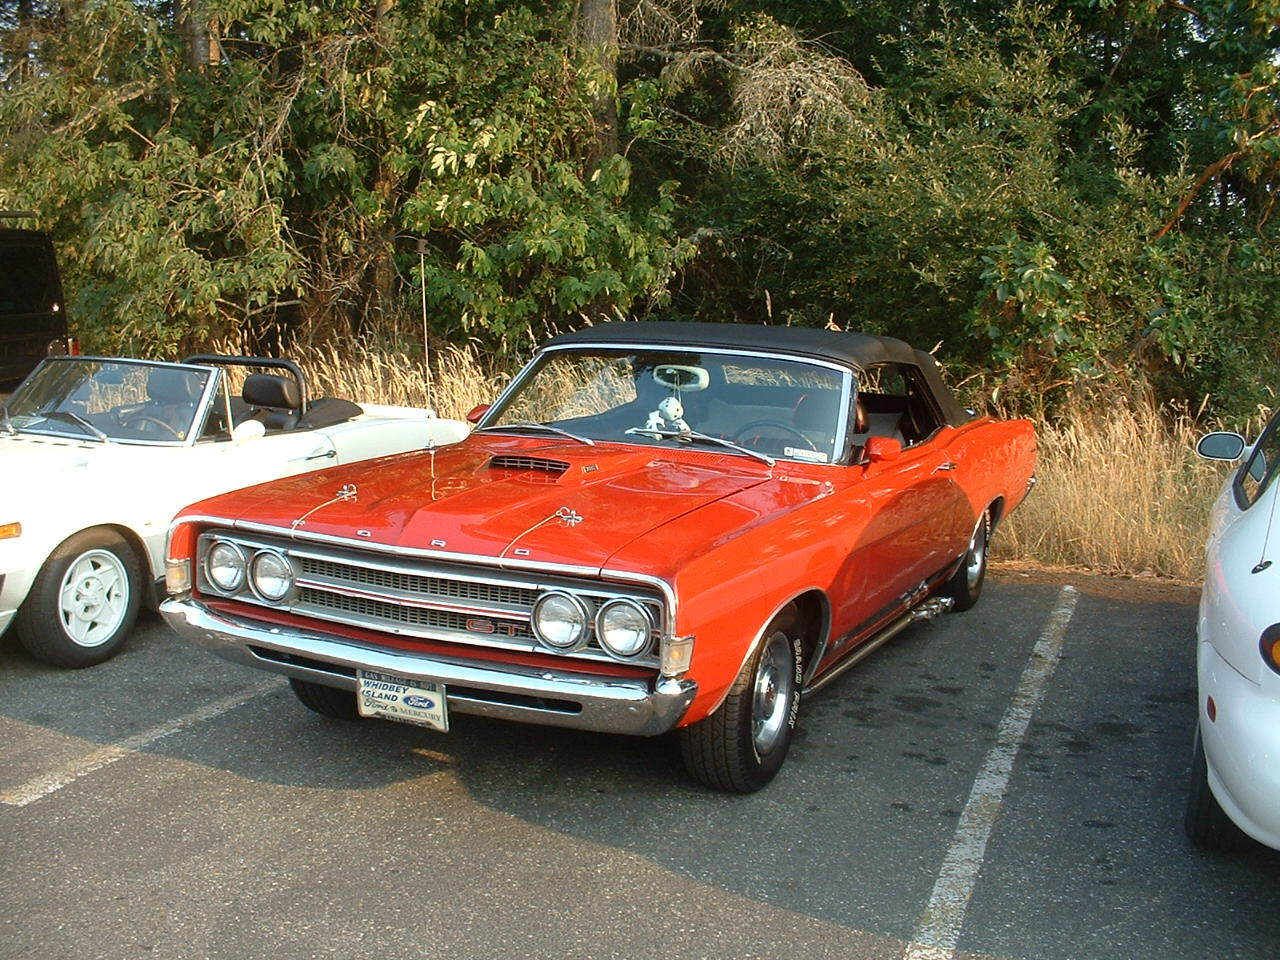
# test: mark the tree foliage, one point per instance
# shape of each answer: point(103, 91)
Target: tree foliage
point(1053, 194)
point(1064, 192)
point(335, 156)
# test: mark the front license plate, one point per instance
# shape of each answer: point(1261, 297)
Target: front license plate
point(399, 698)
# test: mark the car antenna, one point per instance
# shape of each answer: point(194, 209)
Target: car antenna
point(1263, 562)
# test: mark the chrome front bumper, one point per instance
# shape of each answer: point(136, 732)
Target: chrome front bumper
point(508, 691)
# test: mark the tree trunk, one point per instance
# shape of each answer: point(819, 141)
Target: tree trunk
point(200, 31)
point(598, 26)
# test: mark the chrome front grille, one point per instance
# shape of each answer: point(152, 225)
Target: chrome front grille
point(414, 584)
point(430, 600)
point(374, 612)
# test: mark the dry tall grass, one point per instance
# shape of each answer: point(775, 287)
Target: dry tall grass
point(458, 380)
point(1121, 490)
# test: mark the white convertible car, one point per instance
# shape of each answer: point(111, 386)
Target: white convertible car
point(1235, 773)
point(97, 455)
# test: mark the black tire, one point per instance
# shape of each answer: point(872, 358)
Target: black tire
point(83, 602)
point(327, 701)
point(741, 746)
point(1205, 822)
point(965, 585)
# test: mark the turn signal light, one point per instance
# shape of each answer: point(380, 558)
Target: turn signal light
point(1270, 645)
point(9, 531)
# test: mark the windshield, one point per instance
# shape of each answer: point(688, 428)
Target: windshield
point(108, 400)
point(779, 407)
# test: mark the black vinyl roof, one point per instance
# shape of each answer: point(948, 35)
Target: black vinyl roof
point(857, 350)
point(853, 349)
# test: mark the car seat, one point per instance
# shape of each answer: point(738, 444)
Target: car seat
point(274, 401)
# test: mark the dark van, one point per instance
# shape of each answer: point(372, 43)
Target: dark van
point(33, 317)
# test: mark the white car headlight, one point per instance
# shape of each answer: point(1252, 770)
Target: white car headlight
point(623, 628)
point(225, 566)
point(272, 575)
point(560, 620)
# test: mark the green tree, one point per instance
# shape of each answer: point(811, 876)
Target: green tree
point(295, 172)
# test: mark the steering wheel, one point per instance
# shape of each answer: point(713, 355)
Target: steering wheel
point(778, 425)
point(142, 418)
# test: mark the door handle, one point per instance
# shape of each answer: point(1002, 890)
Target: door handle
point(949, 465)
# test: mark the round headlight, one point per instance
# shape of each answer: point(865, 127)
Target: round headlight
point(623, 628)
point(272, 575)
point(225, 566)
point(560, 620)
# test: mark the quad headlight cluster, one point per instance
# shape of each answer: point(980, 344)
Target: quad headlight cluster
point(268, 573)
point(563, 621)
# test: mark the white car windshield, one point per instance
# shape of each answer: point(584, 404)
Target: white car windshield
point(774, 406)
point(129, 401)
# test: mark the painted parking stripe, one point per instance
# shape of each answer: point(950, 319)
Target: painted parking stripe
point(51, 782)
point(938, 929)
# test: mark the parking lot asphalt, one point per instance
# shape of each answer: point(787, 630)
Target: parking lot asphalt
point(1007, 782)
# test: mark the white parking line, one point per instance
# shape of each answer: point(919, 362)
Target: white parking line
point(938, 929)
point(44, 785)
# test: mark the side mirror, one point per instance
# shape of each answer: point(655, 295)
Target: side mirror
point(477, 412)
point(1221, 445)
point(880, 449)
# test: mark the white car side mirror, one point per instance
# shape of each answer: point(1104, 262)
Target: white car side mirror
point(1221, 445)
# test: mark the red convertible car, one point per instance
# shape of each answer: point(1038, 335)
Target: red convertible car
point(656, 527)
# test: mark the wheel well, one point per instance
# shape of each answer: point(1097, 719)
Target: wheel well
point(139, 549)
point(814, 614)
point(996, 511)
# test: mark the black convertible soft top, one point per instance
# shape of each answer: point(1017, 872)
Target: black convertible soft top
point(857, 350)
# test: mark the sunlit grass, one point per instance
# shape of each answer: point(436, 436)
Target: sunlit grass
point(454, 382)
point(1121, 491)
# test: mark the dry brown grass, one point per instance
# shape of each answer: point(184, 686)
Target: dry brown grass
point(1121, 490)
point(458, 380)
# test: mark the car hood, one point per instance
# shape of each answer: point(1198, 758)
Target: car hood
point(566, 504)
point(32, 463)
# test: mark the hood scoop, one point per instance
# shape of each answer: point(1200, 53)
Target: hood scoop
point(543, 468)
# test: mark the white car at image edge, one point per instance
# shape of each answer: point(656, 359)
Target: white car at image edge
point(1235, 774)
point(98, 454)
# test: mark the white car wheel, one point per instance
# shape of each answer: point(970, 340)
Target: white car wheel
point(84, 601)
point(94, 598)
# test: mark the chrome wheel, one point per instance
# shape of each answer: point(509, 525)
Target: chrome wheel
point(965, 585)
point(975, 561)
point(94, 598)
point(772, 693)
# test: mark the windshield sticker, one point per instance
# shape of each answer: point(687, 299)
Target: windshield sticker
point(802, 453)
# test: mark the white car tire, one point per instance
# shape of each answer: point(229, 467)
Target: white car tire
point(84, 601)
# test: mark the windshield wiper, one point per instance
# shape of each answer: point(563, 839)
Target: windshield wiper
point(531, 425)
point(704, 437)
point(66, 416)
